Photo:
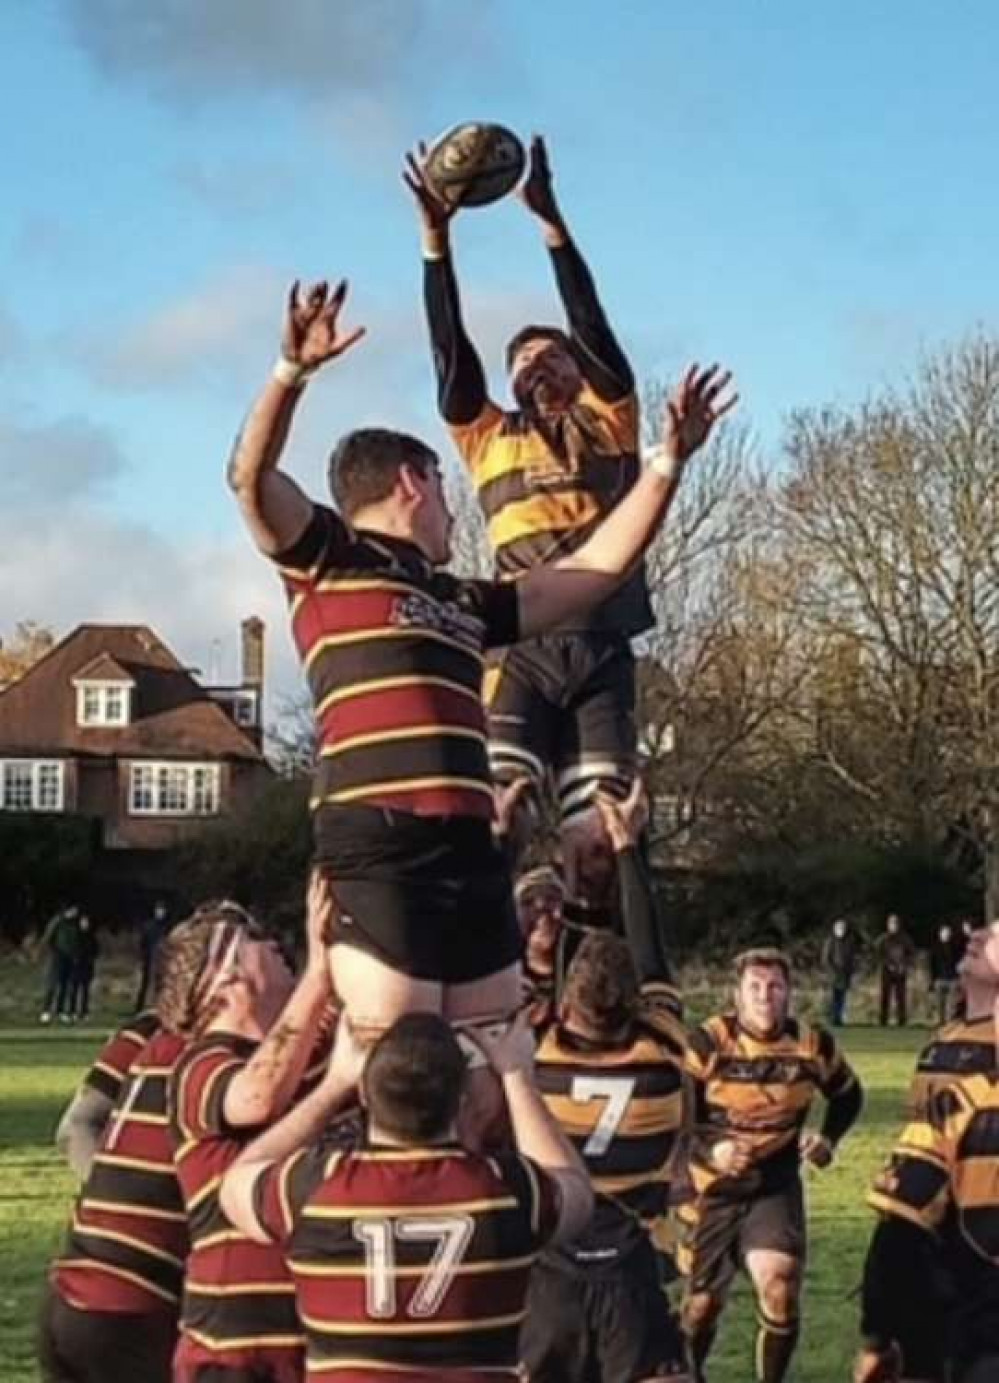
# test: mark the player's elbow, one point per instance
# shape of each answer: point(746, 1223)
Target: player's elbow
point(235, 1199)
point(576, 1204)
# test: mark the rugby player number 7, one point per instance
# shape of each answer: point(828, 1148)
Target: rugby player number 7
point(617, 1091)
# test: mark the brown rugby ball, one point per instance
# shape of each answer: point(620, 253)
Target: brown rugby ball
point(475, 164)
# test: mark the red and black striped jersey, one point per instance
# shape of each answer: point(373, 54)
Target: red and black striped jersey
point(128, 1240)
point(393, 653)
point(239, 1302)
point(761, 1090)
point(107, 1075)
point(409, 1261)
point(623, 1108)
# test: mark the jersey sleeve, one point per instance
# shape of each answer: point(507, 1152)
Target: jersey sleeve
point(835, 1074)
point(498, 604)
point(202, 1084)
point(701, 1054)
point(321, 548)
point(114, 1060)
point(282, 1188)
point(536, 1192)
point(915, 1185)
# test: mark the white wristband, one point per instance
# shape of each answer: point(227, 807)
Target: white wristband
point(290, 371)
point(669, 467)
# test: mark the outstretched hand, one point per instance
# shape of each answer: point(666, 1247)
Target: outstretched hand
point(435, 212)
point(537, 192)
point(693, 409)
point(312, 333)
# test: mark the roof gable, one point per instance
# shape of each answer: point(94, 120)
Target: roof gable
point(172, 716)
point(103, 668)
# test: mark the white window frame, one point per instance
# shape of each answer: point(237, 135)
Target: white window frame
point(101, 696)
point(42, 776)
point(164, 788)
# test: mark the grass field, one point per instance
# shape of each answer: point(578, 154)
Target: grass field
point(39, 1068)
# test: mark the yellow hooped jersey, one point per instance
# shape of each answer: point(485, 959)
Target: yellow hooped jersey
point(958, 1050)
point(943, 1176)
point(623, 1108)
point(759, 1089)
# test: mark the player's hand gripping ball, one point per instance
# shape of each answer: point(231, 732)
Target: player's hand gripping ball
point(473, 165)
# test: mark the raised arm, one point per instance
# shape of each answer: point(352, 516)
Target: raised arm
point(550, 595)
point(624, 822)
point(601, 358)
point(268, 1083)
point(275, 509)
point(461, 383)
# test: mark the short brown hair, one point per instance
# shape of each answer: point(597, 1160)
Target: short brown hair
point(185, 1001)
point(602, 986)
point(767, 956)
point(413, 1079)
point(536, 333)
point(365, 465)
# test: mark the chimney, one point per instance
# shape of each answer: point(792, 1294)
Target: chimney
point(252, 639)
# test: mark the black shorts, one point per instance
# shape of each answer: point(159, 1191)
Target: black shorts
point(611, 1326)
point(77, 1346)
point(564, 704)
point(722, 1230)
point(429, 895)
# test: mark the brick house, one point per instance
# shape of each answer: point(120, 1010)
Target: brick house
point(110, 726)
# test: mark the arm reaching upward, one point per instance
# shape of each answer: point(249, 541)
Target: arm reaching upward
point(550, 595)
point(275, 509)
point(461, 383)
point(600, 357)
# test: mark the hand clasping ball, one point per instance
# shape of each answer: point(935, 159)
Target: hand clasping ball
point(475, 164)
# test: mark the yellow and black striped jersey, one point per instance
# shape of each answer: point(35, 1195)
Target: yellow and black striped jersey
point(966, 1047)
point(943, 1176)
point(761, 1090)
point(623, 1107)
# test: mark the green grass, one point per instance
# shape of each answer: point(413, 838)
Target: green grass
point(39, 1068)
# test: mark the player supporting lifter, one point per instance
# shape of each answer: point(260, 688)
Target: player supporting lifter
point(610, 1068)
point(546, 474)
point(393, 650)
point(756, 1072)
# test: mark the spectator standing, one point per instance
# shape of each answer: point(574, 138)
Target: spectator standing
point(840, 953)
point(895, 951)
point(60, 940)
point(152, 931)
point(946, 950)
point(84, 965)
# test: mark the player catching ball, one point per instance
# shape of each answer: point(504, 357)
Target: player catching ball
point(546, 474)
point(393, 649)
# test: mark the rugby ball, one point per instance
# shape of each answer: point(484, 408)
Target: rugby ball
point(473, 165)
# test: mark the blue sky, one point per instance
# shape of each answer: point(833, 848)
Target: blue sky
point(804, 191)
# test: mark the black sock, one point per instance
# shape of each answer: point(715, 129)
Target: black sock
point(775, 1343)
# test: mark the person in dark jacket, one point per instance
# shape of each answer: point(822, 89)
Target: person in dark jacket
point(84, 965)
point(839, 960)
point(895, 951)
point(152, 931)
point(946, 950)
point(61, 940)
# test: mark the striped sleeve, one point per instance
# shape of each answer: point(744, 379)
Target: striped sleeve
point(323, 542)
point(834, 1072)
point(498, 605)
point(915, 1185)
point(701, 1053)
point(114, 1061)
point(282, 1188)
point(201, 1090)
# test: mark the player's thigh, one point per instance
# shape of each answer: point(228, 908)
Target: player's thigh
point(636, 1336)
point(712, 1226)
point(596, 747)
point(374, 993)
point(555, 1336)
point(774, 1227)
point(522, 712)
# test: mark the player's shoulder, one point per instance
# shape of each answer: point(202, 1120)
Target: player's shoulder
point(815, 1038)
point(661, 1016)
point(712, 1037)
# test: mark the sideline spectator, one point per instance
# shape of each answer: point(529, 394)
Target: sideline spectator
point(84, 964)
point(946, 951)
point(839, 959)
point(152, 931)
point(896, 954)
point(60, 940)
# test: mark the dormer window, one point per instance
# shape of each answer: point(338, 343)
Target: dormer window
point(102, 703)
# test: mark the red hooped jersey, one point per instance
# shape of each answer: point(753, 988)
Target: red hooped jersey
point(114, 1060)
point(128, 1240)
point(409, 1261)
